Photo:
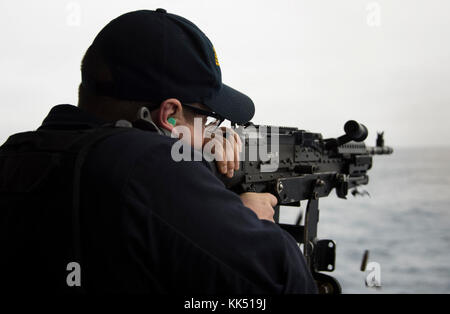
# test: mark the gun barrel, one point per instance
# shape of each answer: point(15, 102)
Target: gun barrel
point(377, 150)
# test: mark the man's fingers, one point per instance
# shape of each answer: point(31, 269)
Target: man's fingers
point(227, 146)
point(223, 156)
point(270, 217)
point(222, 166)
point(232, 144)
point(237, 150)
point(228, 155)
point(236, 159)
point(218, 152)
point(272, 199)
point(229, 152)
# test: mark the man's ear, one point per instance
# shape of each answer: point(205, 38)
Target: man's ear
point(169, 109)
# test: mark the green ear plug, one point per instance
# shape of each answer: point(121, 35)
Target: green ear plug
point(172, 121)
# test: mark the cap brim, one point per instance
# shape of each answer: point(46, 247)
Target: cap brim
point(232, 105)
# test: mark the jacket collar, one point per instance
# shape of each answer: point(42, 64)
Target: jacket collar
point(70, 117)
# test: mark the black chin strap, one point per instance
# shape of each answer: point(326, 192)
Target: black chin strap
point(144, 121)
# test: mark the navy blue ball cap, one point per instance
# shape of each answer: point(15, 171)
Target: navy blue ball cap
point(155, 55)
point(232, 105)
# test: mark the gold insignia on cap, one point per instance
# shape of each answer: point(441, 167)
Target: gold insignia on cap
point(215, 57)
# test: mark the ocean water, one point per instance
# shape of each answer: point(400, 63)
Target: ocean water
point(405, 224)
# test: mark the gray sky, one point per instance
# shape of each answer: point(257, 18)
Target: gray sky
point(311, 64)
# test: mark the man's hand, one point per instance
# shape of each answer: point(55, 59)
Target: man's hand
point(225, 144)
point(261, 204)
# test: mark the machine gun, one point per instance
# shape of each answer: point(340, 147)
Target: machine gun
point(300, 165)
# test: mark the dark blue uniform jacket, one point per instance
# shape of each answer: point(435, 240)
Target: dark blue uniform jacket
point(150, 224)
